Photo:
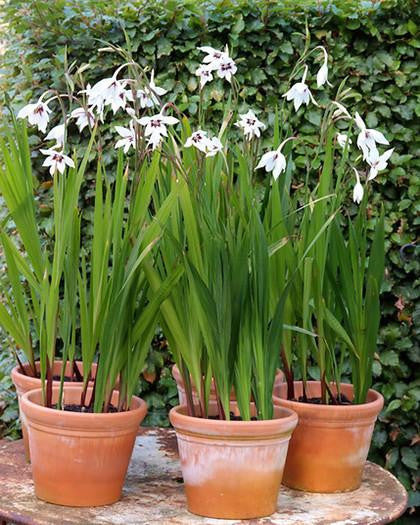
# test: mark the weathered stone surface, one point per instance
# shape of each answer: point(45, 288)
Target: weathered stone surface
point(153, 494)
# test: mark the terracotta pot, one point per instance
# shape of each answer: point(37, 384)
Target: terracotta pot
point(79, 459)
point(232, 469)
point(176, 374)
point(330, 445)
point(25, 383)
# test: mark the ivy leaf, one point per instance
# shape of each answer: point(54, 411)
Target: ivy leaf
point(409, 458)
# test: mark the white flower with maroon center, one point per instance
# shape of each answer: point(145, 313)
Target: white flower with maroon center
point(274, 161)
point(300, 93)
point(213, 56)
point(367, 138)
point(124, 96)
point(149, 95)
point(56, 160)
point(57, 134)
point(37, 114)
point(84, 117)
point(205, 74)
point(250, 125)
point(128, 135)
point(155, 127)
point(199, 140)
point(378, 162)
point(226, 69)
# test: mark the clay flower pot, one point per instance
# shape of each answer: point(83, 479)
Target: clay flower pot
point(330, 445)
point(79, 459)
point(24, 383)
point(176, 374)
point(232, 469)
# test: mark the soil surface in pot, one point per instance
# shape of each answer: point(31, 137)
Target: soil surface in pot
point(233, 417)
point(318, 400)
point(89, 410)
point(67, 379)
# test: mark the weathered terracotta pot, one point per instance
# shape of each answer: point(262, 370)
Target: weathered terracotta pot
point(24, 383)
point(330, 445)
point(79, 459)
point(176, 374)
point(232, 469)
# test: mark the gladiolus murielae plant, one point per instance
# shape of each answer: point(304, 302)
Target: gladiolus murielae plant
point(244, 266)
point(95, 300)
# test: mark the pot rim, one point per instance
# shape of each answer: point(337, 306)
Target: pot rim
point(40, 412)
point(371, 407)
point(16, 372)
point(282, 425)
point(176, 374)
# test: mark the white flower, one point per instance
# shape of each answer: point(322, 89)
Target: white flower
point(213, 56)
point(199, 140)
point(84, 117)
point(95, 100)
point(109, 92)
point(148, 95)
point(367, 138)
point(128, 137)
point(156, 127)
point(205, 74)
point(37, 114)
point(358, 189)
point(250, 125)
point(322, 75)
point(120, 101)
point(343, 139)
point(215, 147)
point(300, 93)
point(378, 162)
point(274, 161)
point(56, 160)
point(145, 100)
point(57, 134)
point(226, 68)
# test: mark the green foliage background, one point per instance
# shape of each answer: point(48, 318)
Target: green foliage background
point(376, 44)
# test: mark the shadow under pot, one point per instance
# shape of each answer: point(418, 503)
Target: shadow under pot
point(27, 382)
point(80, 459)
point(232, 469)
point(176, 374)
point(329, 447)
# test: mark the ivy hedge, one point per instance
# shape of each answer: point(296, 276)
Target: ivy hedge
point(374, 43)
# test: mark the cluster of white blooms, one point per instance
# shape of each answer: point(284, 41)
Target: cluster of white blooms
point(38, 114)
point(108, 92)
point(122, 93)
point(300, 92)
point(215, 61)
point(367, 141)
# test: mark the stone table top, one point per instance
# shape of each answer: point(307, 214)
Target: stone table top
point(153, 494)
